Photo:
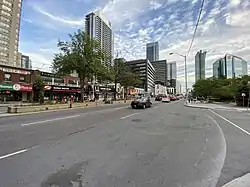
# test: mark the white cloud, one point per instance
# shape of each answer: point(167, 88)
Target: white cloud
point(63, 20)
point(27, 20)
point(224, 28)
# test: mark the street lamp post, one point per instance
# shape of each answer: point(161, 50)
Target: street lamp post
point(185, 62)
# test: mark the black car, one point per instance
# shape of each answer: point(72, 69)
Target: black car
point(142, 102)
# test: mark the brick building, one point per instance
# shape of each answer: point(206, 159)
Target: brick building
point(15, 84)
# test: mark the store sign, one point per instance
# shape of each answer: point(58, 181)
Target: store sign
point(6, 87)
point(18, 71)
point(47, 87)
point(26, 88)
point(16, 87)
point(60, 88)
point(66, 89)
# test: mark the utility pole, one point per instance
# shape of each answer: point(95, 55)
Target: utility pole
point(116, 71)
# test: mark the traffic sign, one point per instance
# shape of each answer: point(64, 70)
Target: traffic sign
point(243, 95)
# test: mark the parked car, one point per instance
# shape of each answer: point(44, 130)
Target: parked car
point(173, 98)
point(166, 100)
point(141, 102)
point(158, 98)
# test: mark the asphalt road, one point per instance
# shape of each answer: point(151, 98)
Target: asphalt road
point(236, 130)
point(166, 145)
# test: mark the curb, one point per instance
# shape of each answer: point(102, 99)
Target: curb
point(190, 106)
point(46, 111)
point(243, 181)
point(204, 107)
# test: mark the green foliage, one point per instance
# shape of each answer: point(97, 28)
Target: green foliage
point(39, 89)
point(202, 88)
point(82, 55)
point(124, 75)
point(222, 89)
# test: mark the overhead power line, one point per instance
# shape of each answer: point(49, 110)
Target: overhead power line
point(196, 26)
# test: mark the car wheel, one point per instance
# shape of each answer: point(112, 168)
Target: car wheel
point(143, 106)
point(134, 106)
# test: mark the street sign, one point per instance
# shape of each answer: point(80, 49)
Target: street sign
point(243, 95)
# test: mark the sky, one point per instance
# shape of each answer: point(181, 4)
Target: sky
point(224, 28)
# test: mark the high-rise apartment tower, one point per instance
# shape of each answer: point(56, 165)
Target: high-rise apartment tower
point(10, 13)
point(99, 28)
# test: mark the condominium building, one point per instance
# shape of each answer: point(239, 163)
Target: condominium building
point(152, 51)
point(10, 13)
point(99, 28)
point(229, 66)
point(200, 59)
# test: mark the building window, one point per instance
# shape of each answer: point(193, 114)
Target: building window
point(6, 8)
point(5, 19)
point(7, 3)
point(5, 13)
point(7, 77)
point(22, 78)
point(3, 48)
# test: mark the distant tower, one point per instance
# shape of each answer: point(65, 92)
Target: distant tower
point(152, 51)
point(200, 59)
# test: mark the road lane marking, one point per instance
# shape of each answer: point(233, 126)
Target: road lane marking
point(223, 152)
point(13, 154)
point(238, 127)
point(49, 120)
point(129, 116)
point(156, 107)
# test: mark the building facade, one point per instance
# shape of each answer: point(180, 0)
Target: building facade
point(99, 28)
point(229, 66)
point(152, 51)
point(178, 87)
point(26, 62)
point(146, 72)
point(10, 13)
point(160, 90)
point(160, 72)
point(171, 74)
point(15, 84)
point(200, 61)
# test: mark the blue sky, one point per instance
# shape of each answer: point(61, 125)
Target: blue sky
point(224, 28)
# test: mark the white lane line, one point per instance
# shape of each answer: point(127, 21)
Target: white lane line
point(128, 116)
point(49, 120)
point(238, 127)
point(156, 107)
point(12, 154)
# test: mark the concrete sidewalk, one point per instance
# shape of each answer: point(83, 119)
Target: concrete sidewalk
point(243, 181)
point(215, 106)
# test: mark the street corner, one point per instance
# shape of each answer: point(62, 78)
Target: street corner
point(243, 181)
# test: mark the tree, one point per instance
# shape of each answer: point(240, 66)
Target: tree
point(128, 78)
point(203, 88)
point(119, 67)
point(82, 55)
point(242, 86)
point(38, 86)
